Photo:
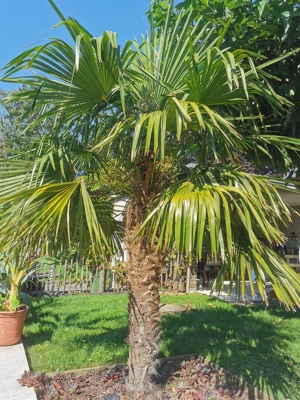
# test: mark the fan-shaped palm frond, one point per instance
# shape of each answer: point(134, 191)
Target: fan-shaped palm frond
point(232, 217)
point(207, 209)
point(77, 87)
point(59, 215)
point(47, 202)
point(209, 91)
point(258, 267)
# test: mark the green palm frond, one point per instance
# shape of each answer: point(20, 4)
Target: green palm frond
point(14, 174)
point(258, 268)
point(207, 91)
point(46, 205)
point(233, 217)
point(79, 78)
point(56, 159)
point(204, 211)
point(56, 215)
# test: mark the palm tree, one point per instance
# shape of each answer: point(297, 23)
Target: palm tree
point(128, 124)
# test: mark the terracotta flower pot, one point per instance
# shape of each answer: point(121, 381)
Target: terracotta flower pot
point(11, 326)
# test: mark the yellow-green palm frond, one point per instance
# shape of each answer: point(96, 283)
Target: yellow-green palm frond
point(256, 268)
point(205, 211)
point(58, 215)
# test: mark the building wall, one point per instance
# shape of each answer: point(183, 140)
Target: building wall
point(294, 226)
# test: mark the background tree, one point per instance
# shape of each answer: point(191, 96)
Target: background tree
point(14, 119)
point(145, 113)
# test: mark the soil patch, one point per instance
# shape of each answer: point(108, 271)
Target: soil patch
point(188, 378)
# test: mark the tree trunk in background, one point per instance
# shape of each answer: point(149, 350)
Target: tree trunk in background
point(144, 269)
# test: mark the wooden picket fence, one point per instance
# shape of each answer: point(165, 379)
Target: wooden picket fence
point(76, 276)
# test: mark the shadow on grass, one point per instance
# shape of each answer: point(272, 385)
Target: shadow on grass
point(240, 340)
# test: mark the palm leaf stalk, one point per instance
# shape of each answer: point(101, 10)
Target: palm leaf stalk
point(147, 111)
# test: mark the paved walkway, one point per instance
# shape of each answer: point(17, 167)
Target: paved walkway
point(13, 363)
point(234, 297)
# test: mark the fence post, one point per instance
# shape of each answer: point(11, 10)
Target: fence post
point(102, 280)
point(65, 277)
point(188, 277)
point(193, 276)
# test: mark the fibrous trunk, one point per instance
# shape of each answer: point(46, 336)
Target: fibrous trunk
point(144, 318)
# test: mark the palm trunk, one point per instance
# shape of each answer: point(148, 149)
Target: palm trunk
point(144, 318)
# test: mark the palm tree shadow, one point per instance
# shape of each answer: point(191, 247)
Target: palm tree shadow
point(90, 336)
point(221, 380)
point(238, 341)
point(38, 315)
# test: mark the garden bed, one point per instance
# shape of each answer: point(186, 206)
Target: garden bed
point(190, 377)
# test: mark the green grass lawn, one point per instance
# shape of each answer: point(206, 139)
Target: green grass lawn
point(262, 346)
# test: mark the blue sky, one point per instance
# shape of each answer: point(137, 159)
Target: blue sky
point(23, 23)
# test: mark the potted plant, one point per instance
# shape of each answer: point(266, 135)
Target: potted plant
point(14, 304)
